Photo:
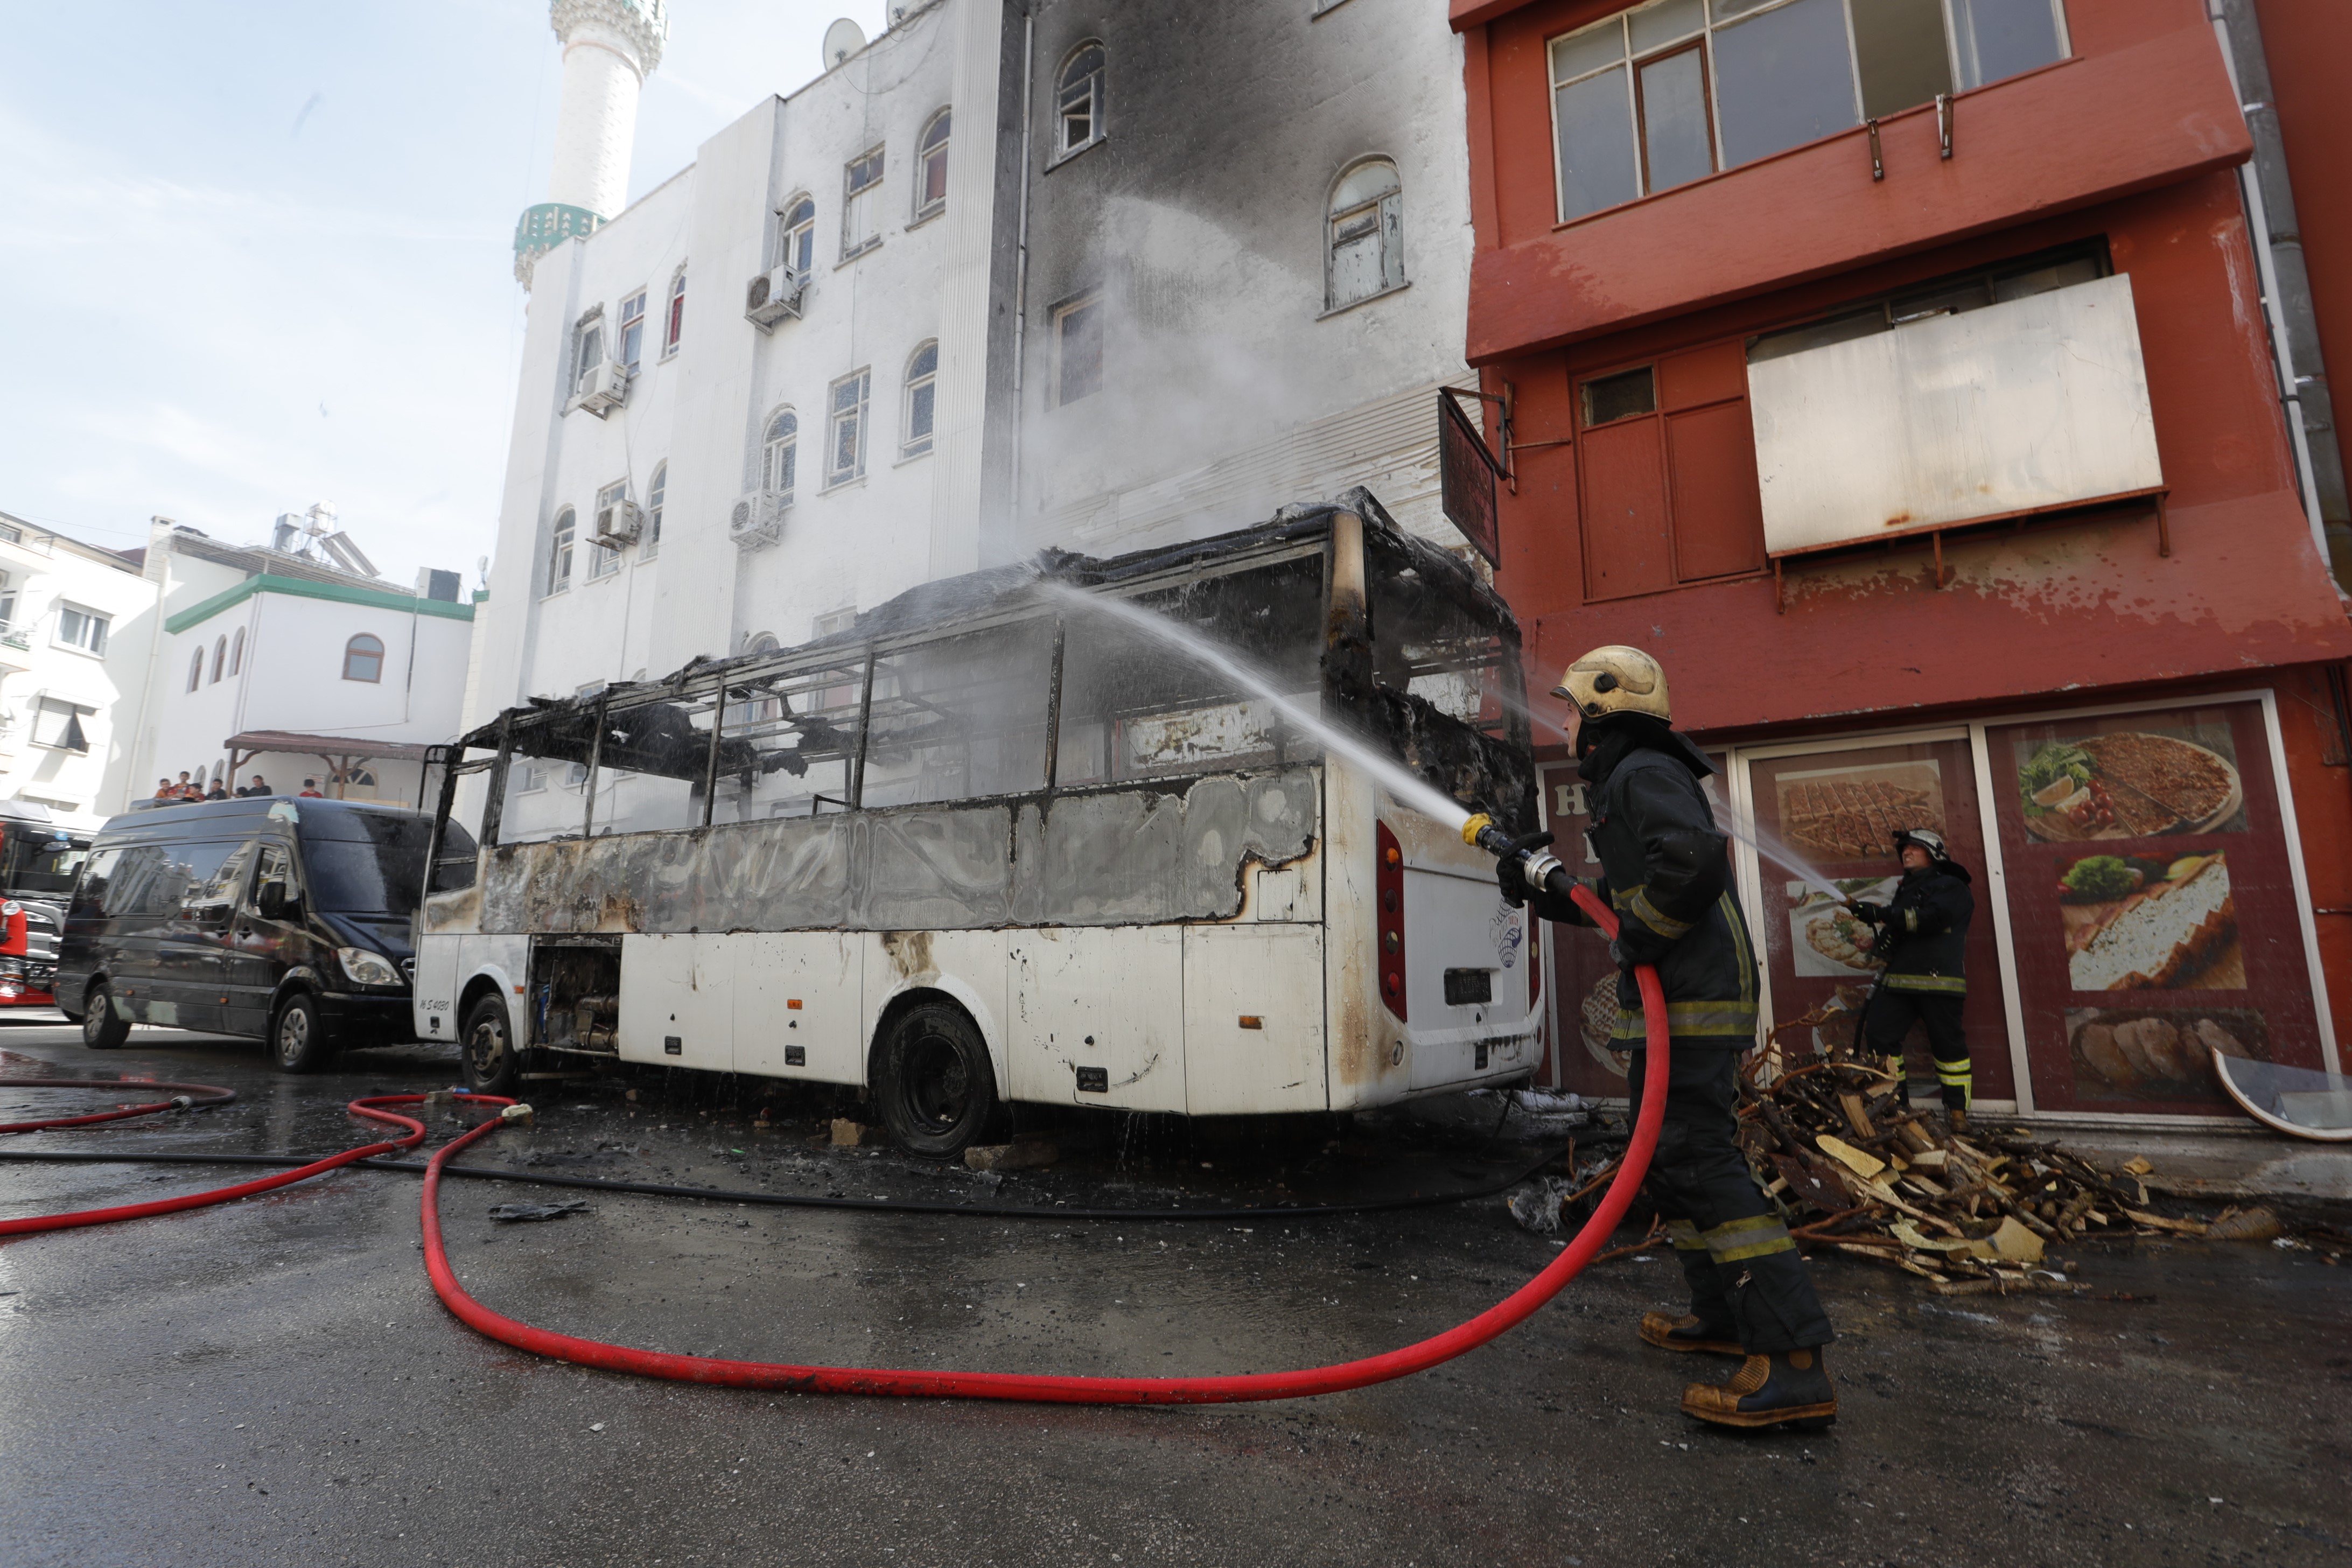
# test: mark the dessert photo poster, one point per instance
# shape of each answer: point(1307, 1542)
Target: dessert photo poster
point(1838, 809)
point(2152, 904)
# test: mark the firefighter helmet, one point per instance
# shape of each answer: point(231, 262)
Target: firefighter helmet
point(1616, 680)
point(1927, 838)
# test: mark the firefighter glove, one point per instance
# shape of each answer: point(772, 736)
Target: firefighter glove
point(1638, 944)
point(1874, 913)
point(1523, 868)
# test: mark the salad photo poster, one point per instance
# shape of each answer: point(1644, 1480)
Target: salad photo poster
point(2153, 905)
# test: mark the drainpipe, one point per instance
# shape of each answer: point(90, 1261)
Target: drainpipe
point(2286, 291)
point(1021, 258)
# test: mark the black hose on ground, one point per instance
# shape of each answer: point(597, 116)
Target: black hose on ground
point(799, 1200)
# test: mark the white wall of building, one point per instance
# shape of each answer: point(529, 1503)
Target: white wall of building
point(41, 671)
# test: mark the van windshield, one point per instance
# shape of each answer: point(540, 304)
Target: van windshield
point(382, 873)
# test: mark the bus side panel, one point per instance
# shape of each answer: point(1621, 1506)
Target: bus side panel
point(798, 992)
point(1111, 998)
point(676, 991)
point(1254, 1019)
point(968, 966)
point(433, 994)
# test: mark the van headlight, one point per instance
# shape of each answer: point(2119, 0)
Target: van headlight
point(366, 968)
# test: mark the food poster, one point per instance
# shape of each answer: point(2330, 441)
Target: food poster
point(2152, 904)
point(1580, 982)
point(1825, 825)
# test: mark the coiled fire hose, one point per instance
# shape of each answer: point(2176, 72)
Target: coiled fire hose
point(191, 1096)
point(1504, 1315)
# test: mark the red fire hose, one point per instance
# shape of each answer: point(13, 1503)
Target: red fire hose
point(367, 1107)
point(191, 1095)
point(1504, 1315)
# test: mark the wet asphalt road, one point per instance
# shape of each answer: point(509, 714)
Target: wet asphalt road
point(273, 1381)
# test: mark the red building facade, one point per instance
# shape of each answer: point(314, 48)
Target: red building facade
point(1899, 373)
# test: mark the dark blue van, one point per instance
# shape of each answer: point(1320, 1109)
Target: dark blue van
point(279, 918)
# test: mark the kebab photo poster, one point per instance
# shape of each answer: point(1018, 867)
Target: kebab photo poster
point(2152, 905)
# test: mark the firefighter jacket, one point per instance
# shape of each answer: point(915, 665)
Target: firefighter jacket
point(1926, 932)
point(1666, 872)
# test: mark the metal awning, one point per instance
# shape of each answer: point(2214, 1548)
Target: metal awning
point(343, 754)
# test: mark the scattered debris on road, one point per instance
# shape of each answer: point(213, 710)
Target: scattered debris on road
point(539, 1211)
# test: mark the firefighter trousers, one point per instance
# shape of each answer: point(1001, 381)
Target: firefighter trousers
point(1892, 1009)
point(1743, 1267)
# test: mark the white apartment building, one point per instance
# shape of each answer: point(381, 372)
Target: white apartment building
point(293, 660)
point(1005, 278)
point(76, 622)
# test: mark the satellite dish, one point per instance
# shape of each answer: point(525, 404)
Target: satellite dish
point(842, 39)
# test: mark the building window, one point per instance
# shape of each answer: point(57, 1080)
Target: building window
point(796, 231)
point(79, 628)
point(676, 325)
point(530, 778)
point(7, 603)
point(197, 669)
point(602, 559)
point(220, 658)
point(587, 350)
point(922, 390)
point(558, 552)
point(633, 330)
point(1079, 99)
point(845, 452)
point(778, 453)
point(57, 725)
point(931, 167)
point(1364, 242)
point(11, 534)
point(1078, 349)
point(861, 203)
point(1675, 89)
point(364, 659)
point(237, 651)
point(655, 490)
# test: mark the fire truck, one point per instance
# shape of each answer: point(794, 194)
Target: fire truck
point(38, 862)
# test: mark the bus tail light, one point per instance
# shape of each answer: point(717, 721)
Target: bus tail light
point(1387, 884)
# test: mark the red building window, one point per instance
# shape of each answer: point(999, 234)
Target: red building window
point(1668, 474)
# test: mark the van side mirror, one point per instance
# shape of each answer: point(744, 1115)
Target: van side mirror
point(272, 901)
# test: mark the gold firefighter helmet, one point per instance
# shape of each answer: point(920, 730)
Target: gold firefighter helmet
point(1616, 680)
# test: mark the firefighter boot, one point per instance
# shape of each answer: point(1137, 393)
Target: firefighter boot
point(1787, 1386)
point(1689, 1332)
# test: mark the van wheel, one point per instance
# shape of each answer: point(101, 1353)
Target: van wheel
point(297, 1040)
point(933, 1077)
point(101, 1029)
point(493, 1064)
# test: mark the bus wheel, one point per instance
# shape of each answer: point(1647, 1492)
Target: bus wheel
point(101, 1029)
point(493, 1065)
point(297, 1040)
point(936, 1091)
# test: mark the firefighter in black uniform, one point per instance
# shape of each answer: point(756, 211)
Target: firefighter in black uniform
point(1668, 875)
point(1922, 934)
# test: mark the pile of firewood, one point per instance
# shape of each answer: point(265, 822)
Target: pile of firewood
point(1838, 1147)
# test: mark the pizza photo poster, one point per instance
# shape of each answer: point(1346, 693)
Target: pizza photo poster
point(2152, 905)
point(1837, 811)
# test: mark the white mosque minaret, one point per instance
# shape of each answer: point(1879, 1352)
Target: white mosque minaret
point(609, 48)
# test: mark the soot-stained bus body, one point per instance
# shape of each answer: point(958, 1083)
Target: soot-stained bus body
point(993, 843)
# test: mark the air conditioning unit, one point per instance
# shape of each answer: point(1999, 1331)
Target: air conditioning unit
point(606, 389)
point(617, 525)
point(758, 520)
point(772, 296)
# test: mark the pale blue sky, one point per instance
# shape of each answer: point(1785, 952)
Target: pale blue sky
point(265, 250)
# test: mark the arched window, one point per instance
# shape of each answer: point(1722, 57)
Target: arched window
point(1080, 99)
point(674, 323)
point(779, 452)
point(237, 651)
point(1364, 237)
point(559, 551)
point(931, 167)
point(220, 656)
point(197, 669)
point(364, 659)
point(922, 387)
point(796, 231)
point(655, 490)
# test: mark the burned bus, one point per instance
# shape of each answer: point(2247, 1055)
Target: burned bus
point(989, 845)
